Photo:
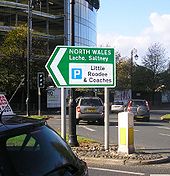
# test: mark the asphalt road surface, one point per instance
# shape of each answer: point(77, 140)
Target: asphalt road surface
point(153, 135)
point(119, 170)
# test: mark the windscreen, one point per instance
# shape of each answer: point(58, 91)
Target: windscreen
point(91, 102)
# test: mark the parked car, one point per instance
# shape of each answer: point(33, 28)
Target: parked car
point(90, 109)
point(140, 109)
point(31, 148)
point(117, 106)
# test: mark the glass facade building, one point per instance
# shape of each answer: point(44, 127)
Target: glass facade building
point(85, 23)
point(51, 20)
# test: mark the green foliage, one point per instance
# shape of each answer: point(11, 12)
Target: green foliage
point(123, 74)
point(142, 79)
point(14, 45)
point(165, 117)
point(12, 62)
point(14, 56)
point(164, 79)
point(37, 117)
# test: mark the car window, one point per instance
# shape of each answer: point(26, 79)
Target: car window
point(21, 142)
point(138, 103)
point(118, 103)
point(91, 102)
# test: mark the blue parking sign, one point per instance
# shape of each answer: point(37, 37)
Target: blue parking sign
point(76, 73)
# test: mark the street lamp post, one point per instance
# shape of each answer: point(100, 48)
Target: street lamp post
point(133, 55)
point(29, 52)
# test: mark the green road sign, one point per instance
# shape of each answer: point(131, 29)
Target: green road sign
point(82, 67)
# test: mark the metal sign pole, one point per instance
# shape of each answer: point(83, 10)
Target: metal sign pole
point(39, 101)
point(29, 51)
point(63, 114)
point(106, 124)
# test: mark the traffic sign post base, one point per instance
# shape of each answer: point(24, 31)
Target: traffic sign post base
point(73, 141)
point(72, 120)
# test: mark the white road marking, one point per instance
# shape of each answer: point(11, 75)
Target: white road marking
point(159, 175)
point(90, 129)
point(166, 128)
point(118, 171)
point(164, 134)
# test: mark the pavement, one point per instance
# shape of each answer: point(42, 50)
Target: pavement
point(125, 162)
point(95, 153)
point(114, 158)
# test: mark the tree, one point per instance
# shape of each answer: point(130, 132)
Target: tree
point(155, 58)
point(123, 74)
point(13, 62)
point(155, 61)
point(141, 78)
point(13, 59)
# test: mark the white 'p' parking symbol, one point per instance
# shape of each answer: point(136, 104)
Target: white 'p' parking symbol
point(76, 73)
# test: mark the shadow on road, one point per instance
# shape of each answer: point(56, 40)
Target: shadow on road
point(153, 122)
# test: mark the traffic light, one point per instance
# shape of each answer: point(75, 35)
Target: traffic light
point(40, 79)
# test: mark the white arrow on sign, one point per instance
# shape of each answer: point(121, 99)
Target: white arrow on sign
point(54, 66)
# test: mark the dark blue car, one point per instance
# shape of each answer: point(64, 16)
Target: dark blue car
point(30, 147)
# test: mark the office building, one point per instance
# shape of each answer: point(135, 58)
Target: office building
point(51, 20)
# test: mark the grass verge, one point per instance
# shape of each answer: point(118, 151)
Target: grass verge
point(165, 117)
point(38, 117)
point(80, 139)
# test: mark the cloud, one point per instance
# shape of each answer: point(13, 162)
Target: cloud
point(158, 31)
point(160, 24)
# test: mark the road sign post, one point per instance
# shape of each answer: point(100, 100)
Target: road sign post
point(71, 67)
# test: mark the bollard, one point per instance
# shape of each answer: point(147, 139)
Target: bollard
point(126, 132)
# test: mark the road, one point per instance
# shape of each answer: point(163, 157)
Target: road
point(120, 170)
point(151, 136)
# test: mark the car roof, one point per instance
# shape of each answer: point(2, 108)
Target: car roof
point(118, 102)
point(89, 97)
point(17, 124)
point(137, 100)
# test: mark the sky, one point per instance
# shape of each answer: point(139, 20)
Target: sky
point(128, 24)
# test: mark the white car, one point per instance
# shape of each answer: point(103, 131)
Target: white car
point(117, 106)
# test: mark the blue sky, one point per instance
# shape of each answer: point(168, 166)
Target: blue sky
point(125, 24)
